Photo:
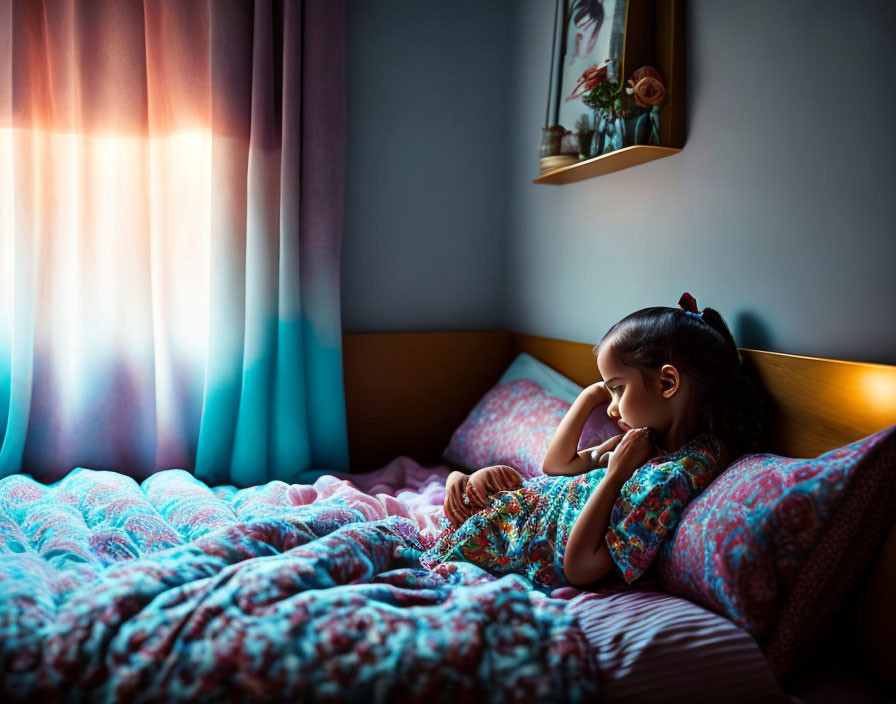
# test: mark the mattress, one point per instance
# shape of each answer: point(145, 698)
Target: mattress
point(172, 590)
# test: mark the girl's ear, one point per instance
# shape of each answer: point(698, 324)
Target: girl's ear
point(670, 380)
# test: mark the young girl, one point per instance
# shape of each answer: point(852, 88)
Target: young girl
point(676, 387)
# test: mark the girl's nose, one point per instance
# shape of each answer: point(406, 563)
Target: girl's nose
point(613, 410)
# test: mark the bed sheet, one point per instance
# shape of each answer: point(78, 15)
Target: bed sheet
point(650, 646)
point(171, 590)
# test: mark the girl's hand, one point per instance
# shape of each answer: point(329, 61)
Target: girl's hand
point(485, 482)
point(563, 456)
point(455, 509)
point(597, 393)
point(602, 453)
point(634, 450)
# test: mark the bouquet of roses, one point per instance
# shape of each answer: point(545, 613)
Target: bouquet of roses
point(600, 89)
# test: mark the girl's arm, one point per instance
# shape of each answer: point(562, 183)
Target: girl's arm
point(587, 557)
point(477, 488)
point(562, 456)
point(489, 480)
point(455, 509)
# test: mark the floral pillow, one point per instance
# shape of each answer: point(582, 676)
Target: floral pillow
point(514, 422)
point(776, 543)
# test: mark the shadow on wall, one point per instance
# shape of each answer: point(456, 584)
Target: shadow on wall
point(750, 332)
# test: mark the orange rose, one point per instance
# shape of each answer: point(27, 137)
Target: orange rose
point(649, 92)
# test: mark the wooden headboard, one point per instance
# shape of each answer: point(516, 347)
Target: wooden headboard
point(407, 392)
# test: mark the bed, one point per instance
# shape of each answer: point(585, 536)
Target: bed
point(172, 590)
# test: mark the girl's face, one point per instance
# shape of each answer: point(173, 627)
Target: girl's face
point(636, 402)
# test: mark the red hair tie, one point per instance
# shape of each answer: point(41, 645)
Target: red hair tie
point(689, 304)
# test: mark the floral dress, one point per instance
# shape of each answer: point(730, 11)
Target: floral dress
point(525, 530)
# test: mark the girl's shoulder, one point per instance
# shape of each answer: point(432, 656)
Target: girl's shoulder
point(706, 445)
point(696, 463)
point(712, 443)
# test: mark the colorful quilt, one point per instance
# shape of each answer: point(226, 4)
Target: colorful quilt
point(171, 590)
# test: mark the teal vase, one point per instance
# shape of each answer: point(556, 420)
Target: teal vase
point(600, 131)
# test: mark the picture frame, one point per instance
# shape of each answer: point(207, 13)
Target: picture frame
point(587, 33)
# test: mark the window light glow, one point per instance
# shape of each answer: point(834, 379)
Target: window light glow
point(116, 230)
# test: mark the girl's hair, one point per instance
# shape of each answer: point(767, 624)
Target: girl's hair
point(705, 350)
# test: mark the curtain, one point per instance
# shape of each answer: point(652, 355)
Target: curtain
point(171, 211)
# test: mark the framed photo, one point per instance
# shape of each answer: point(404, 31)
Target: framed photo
point(589, 33)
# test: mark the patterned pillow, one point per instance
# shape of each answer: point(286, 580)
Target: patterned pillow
point(776, 543)
point(514, 422)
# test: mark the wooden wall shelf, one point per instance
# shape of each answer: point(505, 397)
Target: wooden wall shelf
point(654, 36)
point(606, 164)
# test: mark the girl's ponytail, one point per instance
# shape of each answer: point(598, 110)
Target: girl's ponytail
point(739, 409)
point(739, 415)
point(714, 319)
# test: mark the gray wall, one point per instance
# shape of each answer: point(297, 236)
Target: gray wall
point(426, 187)
point(778, 212)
